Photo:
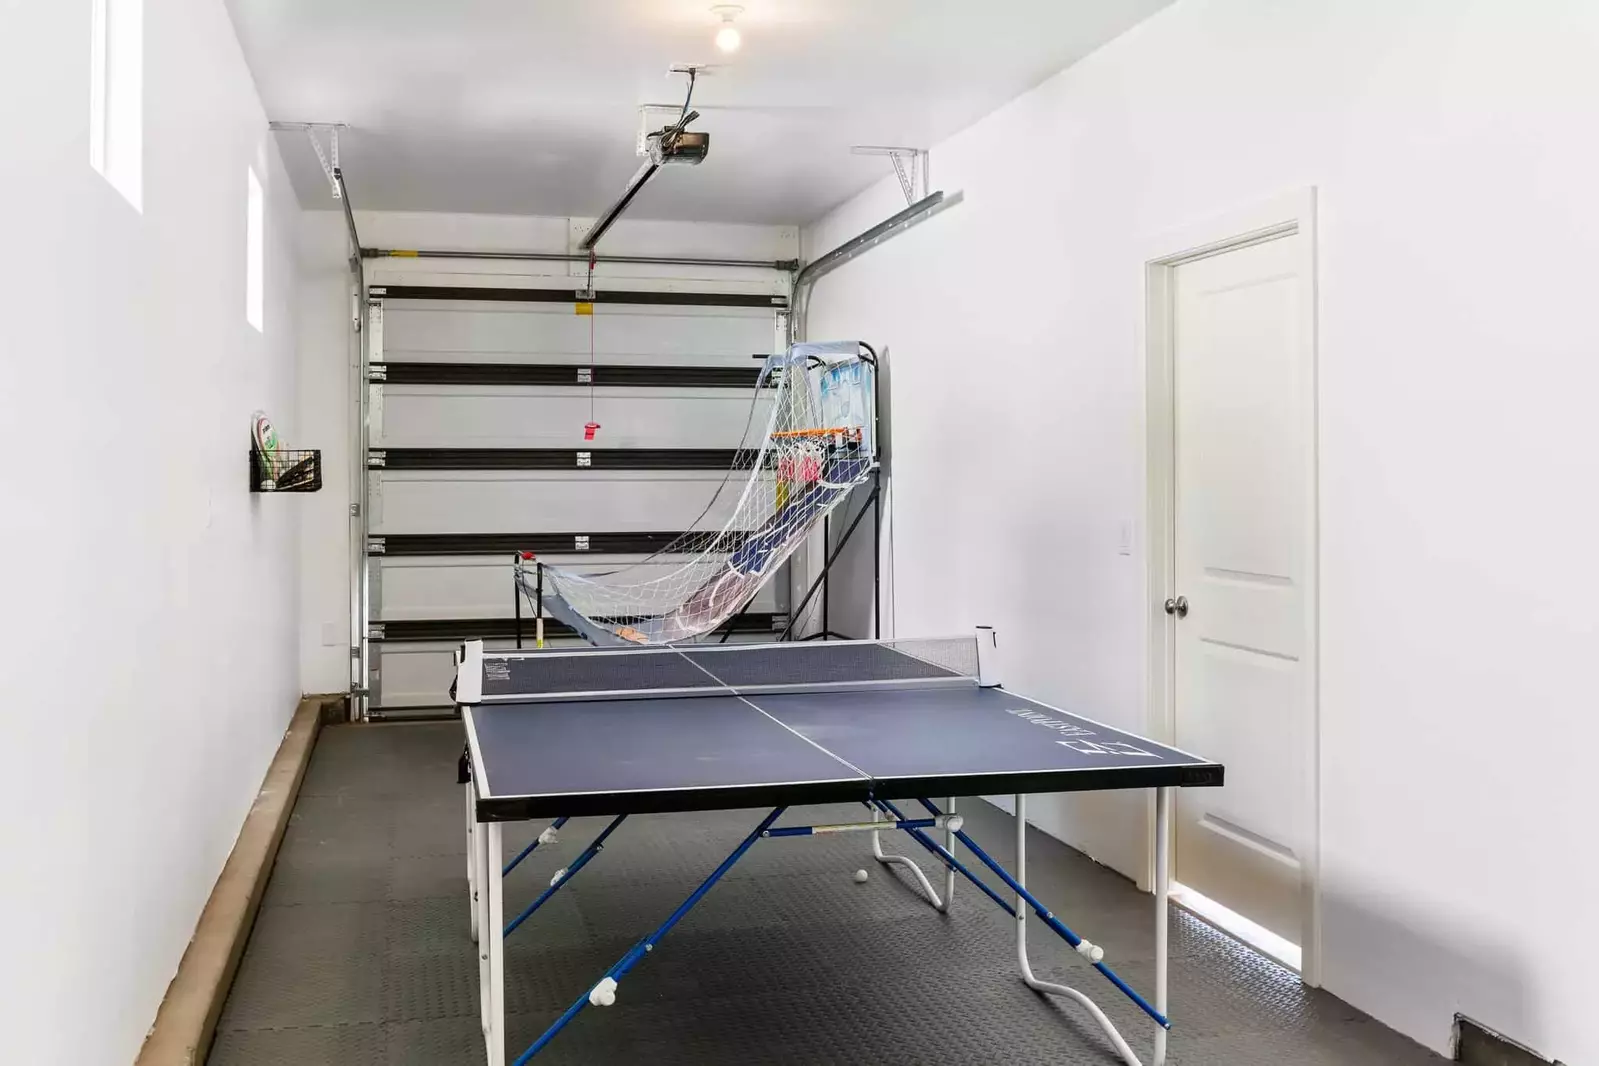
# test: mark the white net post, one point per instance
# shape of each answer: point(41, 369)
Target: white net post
point(987, 657)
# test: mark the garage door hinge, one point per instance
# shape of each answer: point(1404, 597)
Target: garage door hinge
point(580, 542)
point(374, 631)
point(585, 458)
point(376, 292)
point(357, 692)
point(376, 546)
point(377, 459)
point(376, 373)
point(585, 375)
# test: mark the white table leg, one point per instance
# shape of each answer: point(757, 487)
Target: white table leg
point(1163, 802)
point(909, 864)
point(1033, 982)
point(480, 844)
point(493, 930)
point(949, 846)
point(472, 856)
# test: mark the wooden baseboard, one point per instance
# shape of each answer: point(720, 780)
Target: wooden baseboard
point(1477, 1045)
point(187, 1020)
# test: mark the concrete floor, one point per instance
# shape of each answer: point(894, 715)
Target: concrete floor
point(361, 953)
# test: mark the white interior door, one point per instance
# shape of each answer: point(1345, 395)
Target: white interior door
point(1244, 511)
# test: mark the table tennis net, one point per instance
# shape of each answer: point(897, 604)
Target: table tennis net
point(689, 670)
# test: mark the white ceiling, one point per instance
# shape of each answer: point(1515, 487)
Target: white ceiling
point(530, 106)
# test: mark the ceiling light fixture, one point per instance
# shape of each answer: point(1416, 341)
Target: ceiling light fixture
point(728, 38)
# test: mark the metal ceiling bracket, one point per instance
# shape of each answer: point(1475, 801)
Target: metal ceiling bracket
point(328, 157)
point(652, 118)
point(333, 149)
point(910, 166)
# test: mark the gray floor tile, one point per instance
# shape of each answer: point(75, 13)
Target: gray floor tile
point(310, 964)
point(329, 1045)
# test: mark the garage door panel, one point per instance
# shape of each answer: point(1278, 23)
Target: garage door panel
point(552, 333)
point(445, 416)
point(416, 675)
point(424, 598)
point(424, 587)
point(585, 501)
point(419, 675)
point(684, 338)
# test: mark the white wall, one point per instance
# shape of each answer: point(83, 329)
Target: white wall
point(150, 602)
point(1451, 146)
point(327, 351)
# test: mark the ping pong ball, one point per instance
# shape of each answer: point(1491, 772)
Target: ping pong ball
point(860, 877)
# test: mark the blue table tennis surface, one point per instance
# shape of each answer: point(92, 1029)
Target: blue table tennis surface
point(722, 749)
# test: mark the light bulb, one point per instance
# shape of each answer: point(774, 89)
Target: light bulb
point(728, 38)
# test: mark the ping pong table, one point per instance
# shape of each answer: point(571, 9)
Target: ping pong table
point(618, 732)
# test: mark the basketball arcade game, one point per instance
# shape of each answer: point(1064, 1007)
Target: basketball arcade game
point(820, 443)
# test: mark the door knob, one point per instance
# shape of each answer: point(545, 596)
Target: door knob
point(1178, 606)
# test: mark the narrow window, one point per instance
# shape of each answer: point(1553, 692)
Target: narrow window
point(254, 253)
point(116, 95)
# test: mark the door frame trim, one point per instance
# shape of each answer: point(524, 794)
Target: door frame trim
point(1280, 216)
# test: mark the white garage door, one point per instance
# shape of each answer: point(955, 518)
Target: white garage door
point(477, 416)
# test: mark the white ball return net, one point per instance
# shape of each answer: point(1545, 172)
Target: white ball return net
point(819, 444)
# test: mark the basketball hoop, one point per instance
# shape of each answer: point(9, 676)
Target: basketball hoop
point(802, 454)
point(801, 460)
